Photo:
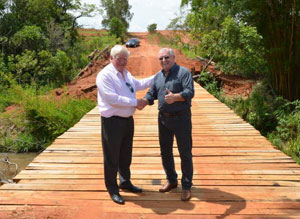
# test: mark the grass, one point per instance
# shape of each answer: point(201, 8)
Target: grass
point(37, 120)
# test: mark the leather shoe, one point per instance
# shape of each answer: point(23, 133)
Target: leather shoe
point(186, 195)
point(131, 188)
point(117, 199)
point(168, 187)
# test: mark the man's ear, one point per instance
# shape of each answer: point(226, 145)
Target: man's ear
point(110, 58)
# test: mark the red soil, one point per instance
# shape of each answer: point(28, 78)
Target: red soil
point(142, 63)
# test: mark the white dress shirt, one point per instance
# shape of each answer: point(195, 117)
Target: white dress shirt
point(114, 96)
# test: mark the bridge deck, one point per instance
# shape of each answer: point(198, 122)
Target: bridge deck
point(237, 172)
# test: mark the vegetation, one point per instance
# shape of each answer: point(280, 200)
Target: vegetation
point(270, 27)
point(40, 52)
point(152, 28)
point(276, 118)
point(39, 48)
point(119, 9)
point(117, 28)
point(36, 120)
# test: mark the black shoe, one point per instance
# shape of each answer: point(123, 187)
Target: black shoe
point(131, 188)
point(117, 199)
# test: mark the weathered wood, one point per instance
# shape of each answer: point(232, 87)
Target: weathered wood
point(237, 172)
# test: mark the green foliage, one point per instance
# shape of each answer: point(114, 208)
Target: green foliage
point(49, 118)
point(288, 116)
point(257, 109)
point(294, 148)
point(29, 38)
point(277, 22)
point(40, 50)
point(117, 28)
point(100, 42)
point(119, 9)
point(57, 68)
point(206, 19)
point(152, 28)
point(24, 66)
point(179, 22)
point(37, 120)
point(235, 47)
point(41, 68)
point(287, 132)
point(274, 117)
point(39, 41)
point(208, 81)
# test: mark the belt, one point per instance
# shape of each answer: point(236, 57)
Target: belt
point(119, 117)
point(171, 115)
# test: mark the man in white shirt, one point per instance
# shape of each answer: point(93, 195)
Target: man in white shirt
point(117, 103)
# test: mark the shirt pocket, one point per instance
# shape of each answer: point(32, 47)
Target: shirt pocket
point(174, 86)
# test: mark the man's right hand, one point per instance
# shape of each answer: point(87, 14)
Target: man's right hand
point(141, 103)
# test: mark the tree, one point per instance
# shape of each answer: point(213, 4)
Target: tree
point(31, 29)
point(179, 22)
point(116, 8)
point(117, 28)
point(277, 21)
point(152, 28)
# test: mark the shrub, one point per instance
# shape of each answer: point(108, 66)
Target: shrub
point(208, 81)
point(257, 109)
point(38, 119)
point(152, 28)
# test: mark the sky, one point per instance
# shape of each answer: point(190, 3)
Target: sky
point(145, 12)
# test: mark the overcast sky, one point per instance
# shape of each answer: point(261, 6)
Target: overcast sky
point(145, 12)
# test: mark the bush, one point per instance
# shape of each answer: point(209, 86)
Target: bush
point(37, 120)
point(152, 28)
point(208, 81)
point(257, 109)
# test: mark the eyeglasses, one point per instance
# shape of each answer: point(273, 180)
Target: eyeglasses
point(164, 57)
point(130, 87)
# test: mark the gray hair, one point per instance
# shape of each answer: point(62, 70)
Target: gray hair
point(170, 51)
point(118, 49)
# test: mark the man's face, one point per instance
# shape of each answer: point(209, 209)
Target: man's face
point(120, 61)
point(166, 60)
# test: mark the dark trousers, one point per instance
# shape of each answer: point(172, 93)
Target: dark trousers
point(181, 127)
point(117, 137)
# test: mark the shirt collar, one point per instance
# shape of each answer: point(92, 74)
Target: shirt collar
point(114, 70)
point(173, 68)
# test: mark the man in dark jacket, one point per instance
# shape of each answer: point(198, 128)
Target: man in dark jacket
point(173, 87)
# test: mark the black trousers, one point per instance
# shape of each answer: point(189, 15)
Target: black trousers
point(117, 137)
point(181, 127)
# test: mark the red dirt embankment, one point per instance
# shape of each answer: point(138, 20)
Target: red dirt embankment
point(143, 62)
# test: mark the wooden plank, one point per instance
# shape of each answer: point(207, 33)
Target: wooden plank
point(237, 172)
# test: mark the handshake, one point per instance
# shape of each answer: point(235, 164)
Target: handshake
point(141, 103)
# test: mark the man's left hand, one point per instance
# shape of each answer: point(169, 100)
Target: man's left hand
point(169, 97)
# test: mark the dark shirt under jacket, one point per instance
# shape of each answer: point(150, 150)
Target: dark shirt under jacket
point(179, 80)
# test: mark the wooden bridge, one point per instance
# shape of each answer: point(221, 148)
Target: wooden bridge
point(237, 173)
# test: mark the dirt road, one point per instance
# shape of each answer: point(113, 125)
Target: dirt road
point(143, 62)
